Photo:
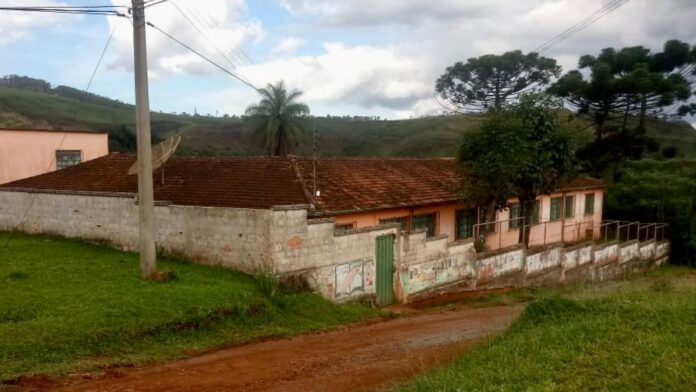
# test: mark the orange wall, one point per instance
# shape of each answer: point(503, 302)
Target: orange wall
point(567, 227)
point(26, 153)
point(444, 220)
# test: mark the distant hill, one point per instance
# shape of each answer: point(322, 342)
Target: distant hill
point(67, 108)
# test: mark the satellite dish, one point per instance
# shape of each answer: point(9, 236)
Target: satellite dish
point(160, 153)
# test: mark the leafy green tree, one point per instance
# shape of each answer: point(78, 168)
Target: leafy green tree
point(521, 150)
point(122, 139)
point(491, 80)
point(659, 191)
point(277, 118)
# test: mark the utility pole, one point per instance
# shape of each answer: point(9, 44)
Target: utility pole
point(146, 199)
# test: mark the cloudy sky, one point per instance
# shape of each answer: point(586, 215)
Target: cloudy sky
point(365, 57)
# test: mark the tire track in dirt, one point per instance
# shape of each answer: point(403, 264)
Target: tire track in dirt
point(362, 357)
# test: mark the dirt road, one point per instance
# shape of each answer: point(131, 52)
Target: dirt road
point(363, 357)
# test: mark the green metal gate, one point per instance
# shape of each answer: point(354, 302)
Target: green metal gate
point(385, 261)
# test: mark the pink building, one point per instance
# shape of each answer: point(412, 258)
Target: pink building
point(30, 152)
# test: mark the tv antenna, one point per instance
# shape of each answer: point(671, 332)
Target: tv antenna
point(160, 155)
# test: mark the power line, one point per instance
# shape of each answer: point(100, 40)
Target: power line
point(65, 134)
point(579, 26)
point(236, 52)
point(203, 35)
point(223, 69)
point(81, 10)
point(152, 3)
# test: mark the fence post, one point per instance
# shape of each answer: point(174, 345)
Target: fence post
point(543, 243)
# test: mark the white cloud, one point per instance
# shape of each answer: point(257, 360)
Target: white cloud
point(434, 34)
point(356, 76)
point(217, 28)
point(17, 25)
point(286, 46)
point(384, 12)
point(414, 41)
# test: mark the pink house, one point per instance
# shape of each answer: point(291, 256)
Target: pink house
point(30, 152)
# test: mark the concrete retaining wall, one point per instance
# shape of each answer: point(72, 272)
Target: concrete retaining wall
point(340, 266)
point(230, 237)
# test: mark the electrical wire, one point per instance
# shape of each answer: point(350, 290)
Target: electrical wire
point(574, 29)
point(203, 35)
point(152, 3)
point(211, 25)
point(65, 134)
point(223, 69)
point(81, 10)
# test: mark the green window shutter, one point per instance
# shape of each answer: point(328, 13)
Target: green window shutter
point(569, 205)
point(555, 208)
point(515, 211)
point(426, 222)
point(589, 203)
point(464, 224)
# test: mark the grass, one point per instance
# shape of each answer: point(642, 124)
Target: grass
point(629, 336)
point(68, 306)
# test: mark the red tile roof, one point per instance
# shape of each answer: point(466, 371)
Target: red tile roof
point(345, 184)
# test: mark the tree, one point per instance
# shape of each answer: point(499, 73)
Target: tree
point(490, 81)
point(521, 150)
point(122, 139)
point(276, 118)
point(630, 81)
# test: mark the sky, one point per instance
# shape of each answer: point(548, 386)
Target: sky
point(357, 57)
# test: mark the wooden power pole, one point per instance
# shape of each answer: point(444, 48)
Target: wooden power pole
point(146, 199)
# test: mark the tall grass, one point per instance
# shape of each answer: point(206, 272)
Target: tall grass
point(641, 339)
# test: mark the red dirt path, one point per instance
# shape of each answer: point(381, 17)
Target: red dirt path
point(362, 357)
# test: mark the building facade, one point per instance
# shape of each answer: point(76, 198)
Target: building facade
point(393, 229)
point(29, 152)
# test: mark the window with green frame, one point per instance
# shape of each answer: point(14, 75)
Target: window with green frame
point(569, 206)
point(555, 209)
point(515, 212)
point(589, 203)
point(464, 223)
point(402, 221)
point(426, 222)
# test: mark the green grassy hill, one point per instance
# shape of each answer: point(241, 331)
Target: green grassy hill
point(423, 137)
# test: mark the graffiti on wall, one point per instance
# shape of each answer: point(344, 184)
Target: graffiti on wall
point(352, 277)
point(647, 252)
point(577, 257)
point(438, 272)
point(498, 265)
point(662, 249)
point(543, 260)
point(629, 252)
point(607, 254)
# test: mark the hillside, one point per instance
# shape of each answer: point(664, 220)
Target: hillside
point(431, 136)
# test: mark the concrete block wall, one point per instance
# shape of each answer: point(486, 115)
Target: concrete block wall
point(340, 266)
point(230, 237)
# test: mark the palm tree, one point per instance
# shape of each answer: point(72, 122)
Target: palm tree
point(277, 117)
